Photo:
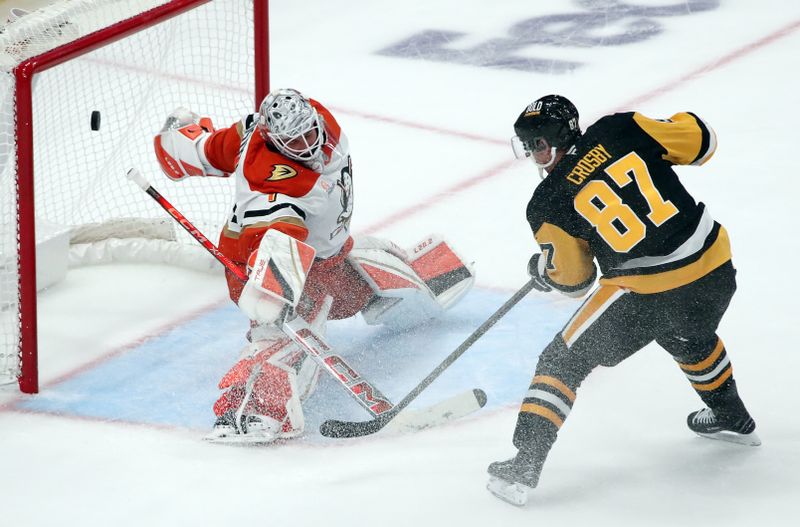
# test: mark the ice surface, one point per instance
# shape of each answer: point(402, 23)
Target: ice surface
point(427, 92)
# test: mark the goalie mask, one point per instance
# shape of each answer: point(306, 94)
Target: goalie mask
point(287, 119)
point(549, 123)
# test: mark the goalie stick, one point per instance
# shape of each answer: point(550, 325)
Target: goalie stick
point(366, 394)
point(336, 428)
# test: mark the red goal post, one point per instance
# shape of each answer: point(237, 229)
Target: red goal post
point(63, 195)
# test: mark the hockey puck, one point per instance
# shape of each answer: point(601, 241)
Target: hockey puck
point(96, 120)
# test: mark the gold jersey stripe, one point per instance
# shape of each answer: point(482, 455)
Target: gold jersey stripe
point(547, 413)
point(681, 136)
point(716, 384)
point(572, 258)
point(715, 256)
point(595, 302)
point(708, 361)
point(555, 383)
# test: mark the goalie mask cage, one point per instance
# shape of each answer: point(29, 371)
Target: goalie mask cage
point(62, 182)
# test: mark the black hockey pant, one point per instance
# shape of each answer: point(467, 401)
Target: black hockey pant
point(613, 324)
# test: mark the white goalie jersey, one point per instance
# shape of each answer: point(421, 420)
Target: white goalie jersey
point(274, 192)
point(313, 205)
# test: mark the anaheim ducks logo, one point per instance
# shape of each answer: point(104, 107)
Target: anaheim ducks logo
point(280, 172)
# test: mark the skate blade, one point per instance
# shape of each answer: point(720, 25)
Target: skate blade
point(240, 439)
point(514, 493)
point(750, 439)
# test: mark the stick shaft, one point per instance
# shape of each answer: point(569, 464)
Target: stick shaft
point(229, 264)
point(336, 428)
point(464, 346)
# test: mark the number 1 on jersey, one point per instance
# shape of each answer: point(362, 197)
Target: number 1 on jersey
point(615, 221)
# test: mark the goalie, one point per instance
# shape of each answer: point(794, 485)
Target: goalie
point(290, 229)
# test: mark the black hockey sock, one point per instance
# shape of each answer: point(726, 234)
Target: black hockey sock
point(728, 406)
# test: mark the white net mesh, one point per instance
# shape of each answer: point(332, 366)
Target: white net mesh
point(201, 59)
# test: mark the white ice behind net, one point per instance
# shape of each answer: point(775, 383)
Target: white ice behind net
point(201, 59)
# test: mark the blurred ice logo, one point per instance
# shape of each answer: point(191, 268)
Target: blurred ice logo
point(598, 23)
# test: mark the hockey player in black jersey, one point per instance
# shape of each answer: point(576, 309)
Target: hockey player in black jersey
point(610, 195)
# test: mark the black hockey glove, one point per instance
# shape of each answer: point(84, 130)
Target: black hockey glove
point(535, 271)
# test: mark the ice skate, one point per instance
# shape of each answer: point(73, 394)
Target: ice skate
point(252, 430)
point(706, 423)
point(513, 480)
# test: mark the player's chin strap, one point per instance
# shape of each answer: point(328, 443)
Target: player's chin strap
point(545, 166)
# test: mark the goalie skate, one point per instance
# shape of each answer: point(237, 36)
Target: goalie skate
point(252, 430)
point(706, 423)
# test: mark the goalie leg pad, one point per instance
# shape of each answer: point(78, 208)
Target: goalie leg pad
point(399, 296)
point(271, 379)
point(263, 385)
point(411, 286)
point(447, 275)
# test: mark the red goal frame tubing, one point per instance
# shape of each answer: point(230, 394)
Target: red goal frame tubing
point(23, 73)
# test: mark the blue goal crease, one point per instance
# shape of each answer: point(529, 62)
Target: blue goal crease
point(171, 379)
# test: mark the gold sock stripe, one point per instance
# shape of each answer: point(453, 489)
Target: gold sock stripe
point(555, 383)
point(708, 361)
point(716, 384)
point(547, 413)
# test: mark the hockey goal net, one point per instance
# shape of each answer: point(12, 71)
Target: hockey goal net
point(64, 197)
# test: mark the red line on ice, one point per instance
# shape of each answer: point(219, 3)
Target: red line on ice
point(451, 191)
point(713, 65)
point(490, 173)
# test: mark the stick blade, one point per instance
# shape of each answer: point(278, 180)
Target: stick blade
point(348, 429)
point(450, 409)
point(445, 411)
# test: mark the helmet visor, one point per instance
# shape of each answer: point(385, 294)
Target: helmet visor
point(524, 149)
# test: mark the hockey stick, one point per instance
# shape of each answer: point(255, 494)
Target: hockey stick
point(366, 394)
point(136, 176)
point(336, 428)
point(298, 330)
